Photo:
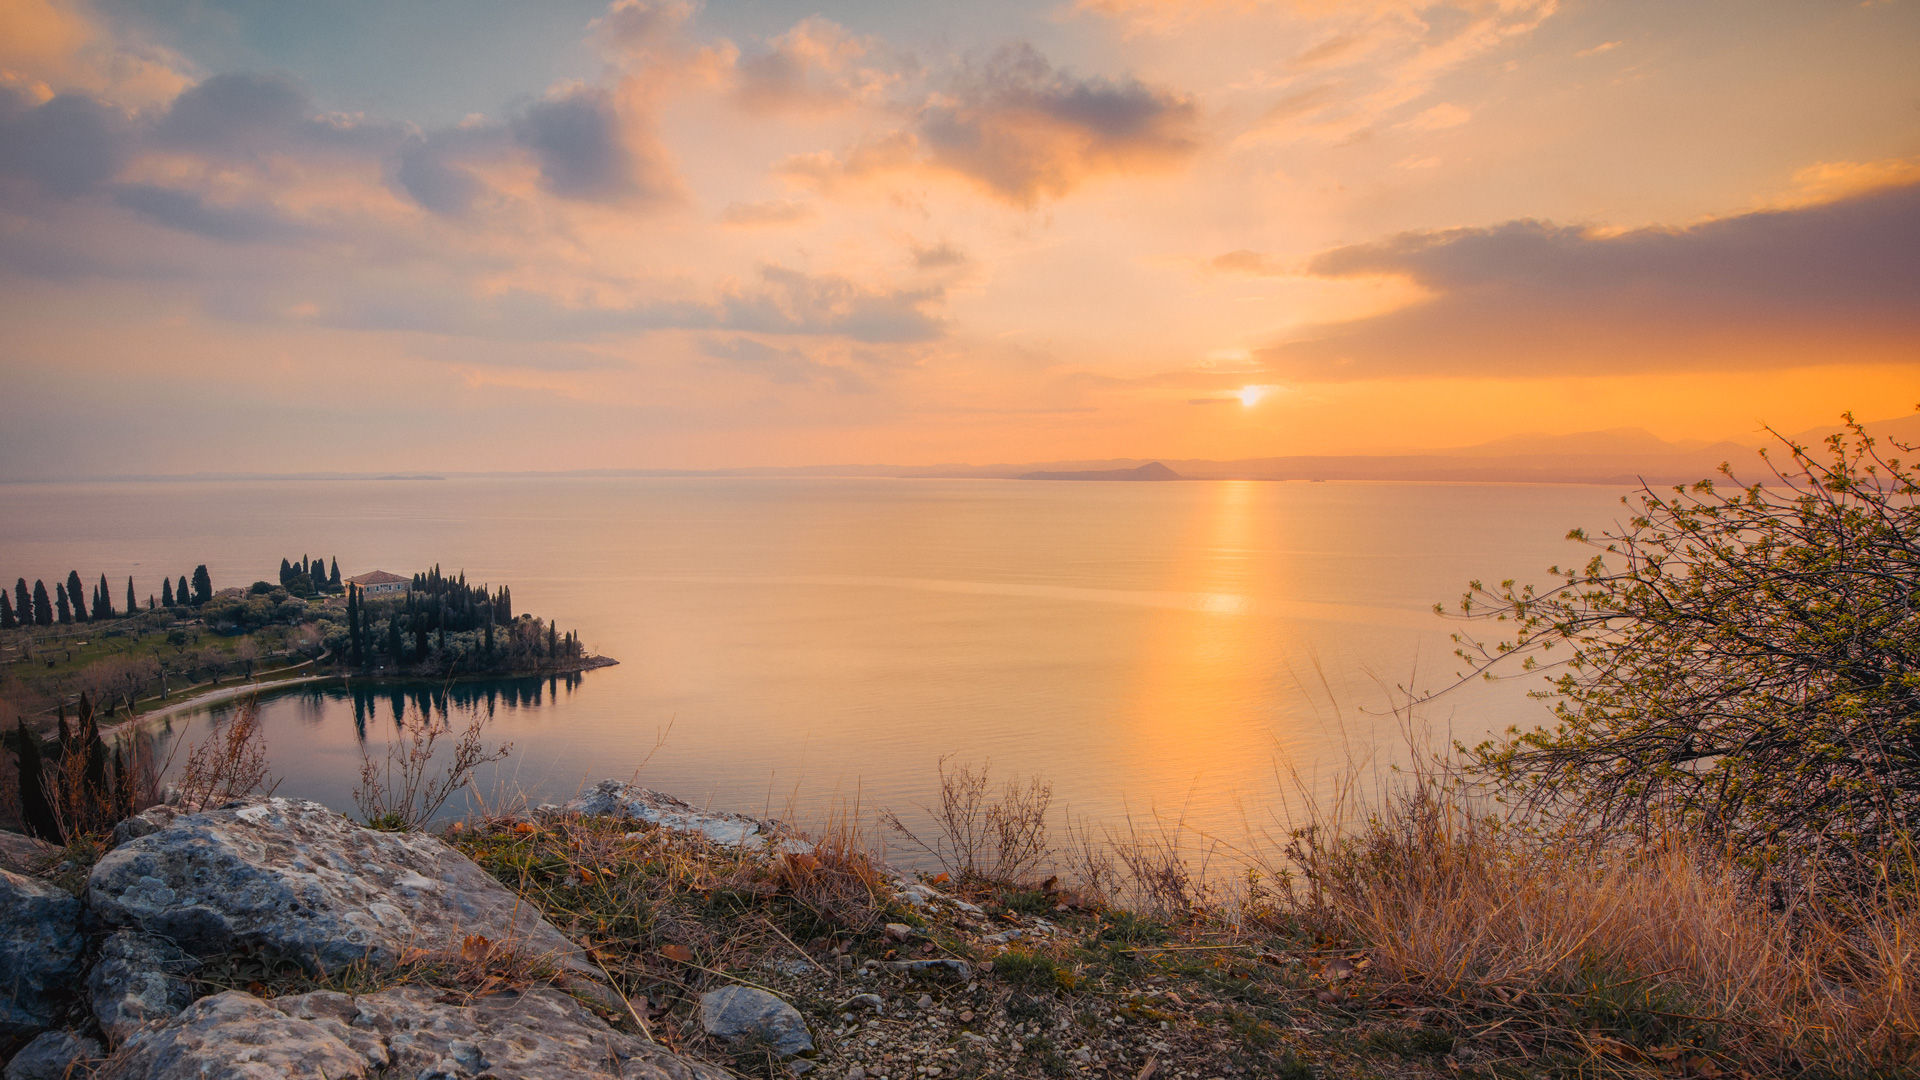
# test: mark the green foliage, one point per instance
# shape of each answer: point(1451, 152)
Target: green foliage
point(1740, 665)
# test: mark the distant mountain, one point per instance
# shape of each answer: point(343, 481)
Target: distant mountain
point(1152, 470)
point(1904, 429)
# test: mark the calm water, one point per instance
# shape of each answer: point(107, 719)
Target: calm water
point(1149, 648)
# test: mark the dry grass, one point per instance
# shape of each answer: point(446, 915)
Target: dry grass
point(1624, 956)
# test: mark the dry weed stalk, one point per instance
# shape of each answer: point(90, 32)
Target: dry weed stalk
point(228, 763)
point(1003, 839)
point(401, 792)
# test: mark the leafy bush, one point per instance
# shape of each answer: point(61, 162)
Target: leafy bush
point(1741, 666)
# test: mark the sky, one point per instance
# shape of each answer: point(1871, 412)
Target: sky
point(477, 235)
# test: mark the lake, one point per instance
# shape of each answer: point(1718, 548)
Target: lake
point(1152, 649)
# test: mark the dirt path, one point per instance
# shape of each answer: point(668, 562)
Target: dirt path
point(211, 697)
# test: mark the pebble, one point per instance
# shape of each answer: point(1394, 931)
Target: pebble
point(925, 1001)
point(899, 931)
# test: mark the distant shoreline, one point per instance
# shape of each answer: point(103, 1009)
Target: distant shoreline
point(229, 693)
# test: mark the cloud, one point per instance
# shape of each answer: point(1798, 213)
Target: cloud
point(772, 212)
point(789, 366)
point(189, 212)
point(643, 26)
point(1837, 282)
point(814, 67)
point(793, 302)
point(938, 257)
point(1025, 131)
point(1250, 263)
point(576, 139)
point(67, 145)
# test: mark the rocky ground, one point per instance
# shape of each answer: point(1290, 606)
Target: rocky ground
point(632, 935)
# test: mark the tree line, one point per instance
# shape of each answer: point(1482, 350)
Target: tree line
point(443, 624)
point(310, 577)
point(71, 602)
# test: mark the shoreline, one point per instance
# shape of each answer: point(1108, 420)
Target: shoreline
point(229, 693)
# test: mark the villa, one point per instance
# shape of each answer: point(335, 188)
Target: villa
point(381, 583)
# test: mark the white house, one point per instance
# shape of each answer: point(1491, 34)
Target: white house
point(381, 583)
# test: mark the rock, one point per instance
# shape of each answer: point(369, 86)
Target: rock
point(404, 1033)
point(139, 979)
point(898, 931)
point(300, 881)
point(145, 823)
point(944, 970)
point(740, 1014)
point(18, 853)
point(925, 1001)
point(865, 1001)
point(40, 950)
point(55, 1055)
point(613, 798)
point(235, 1036)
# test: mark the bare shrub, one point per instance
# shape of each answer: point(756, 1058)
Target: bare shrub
point(120, 679)
point(401, 792)
point(980, 839)
point(228, 763)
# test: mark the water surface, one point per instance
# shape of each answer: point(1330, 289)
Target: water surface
point(1149, 648)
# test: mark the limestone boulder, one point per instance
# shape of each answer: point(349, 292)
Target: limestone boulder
point(40, 954)
point(298, 880)
point(140, 979)
point(615, 798)
point(742, 1015)
point(55, 1055)
point(404, 1033)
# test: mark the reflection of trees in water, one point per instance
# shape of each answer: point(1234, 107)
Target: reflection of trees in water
point(393, 701)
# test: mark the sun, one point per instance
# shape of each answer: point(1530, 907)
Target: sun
point(1251, 395)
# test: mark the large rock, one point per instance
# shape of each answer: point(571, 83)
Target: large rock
point(19, 853)
point(139, 979)
point(40, 948)
point(406, 1033)
point(56, 1055)
point(614, 798)
point(742, 1015)
point(298, 880)
point(236, 1036)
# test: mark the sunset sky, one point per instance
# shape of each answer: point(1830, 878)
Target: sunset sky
point(477, 235)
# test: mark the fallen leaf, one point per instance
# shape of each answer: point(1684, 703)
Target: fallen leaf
point(939, 879)
point(525, 828)
point(1146, 1072)
point(679, 954)
point(475, 948)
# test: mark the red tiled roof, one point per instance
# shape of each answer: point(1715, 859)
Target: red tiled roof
point(377, 577)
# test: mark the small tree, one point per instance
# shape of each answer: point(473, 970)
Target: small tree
point(42, 607)
point(202, 585)
point(133, 601)
point(36, 810)
point(103, 604)
point(75, 597)
point(1740, 664)
point(181, 595)
point(166, 593)
point(61, 606)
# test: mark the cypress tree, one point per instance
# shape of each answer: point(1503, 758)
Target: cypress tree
point(36, 810)
point(202, 585)
point(133, 602)
point(333, 579)
point(286, 571)
point(105, 610)
point(353, 628)
point(63, 609)
point(42, 607)
point(393, 640)
point(22, 601)
point(79, 606)
point(122, 786)
point(180, 595)
point(96, 751)
point(166, 592)
point(419, 639)
point(6, 613)
point(489, 639)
